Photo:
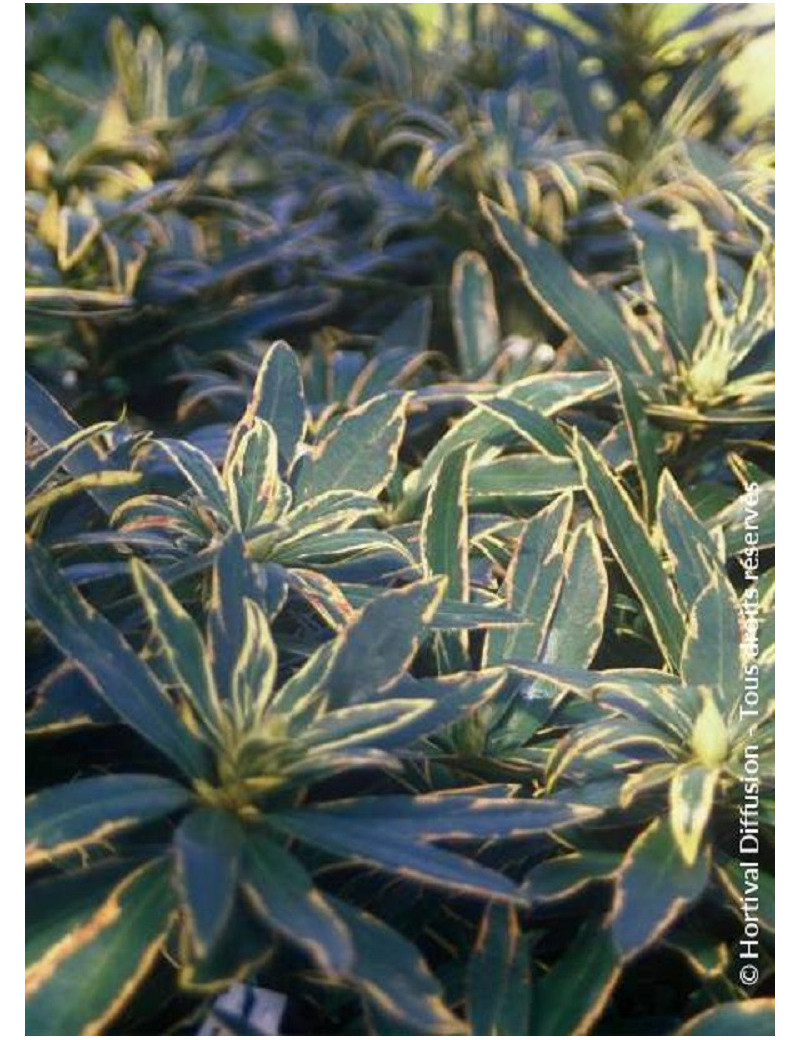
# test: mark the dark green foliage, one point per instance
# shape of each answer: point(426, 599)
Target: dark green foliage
point(398, 417)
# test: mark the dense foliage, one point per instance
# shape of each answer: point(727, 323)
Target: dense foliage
point(400, 519)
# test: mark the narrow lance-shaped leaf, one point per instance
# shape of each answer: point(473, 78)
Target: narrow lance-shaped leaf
point(53, 426)
point(444, 533)
point(279, 400)
point(532, 584)
point(42, 468)
point(691, 799)
point(256, 664)
point(585, 114)
point(65, 699)
point(475, 319)
point(360, 454)
point(446, 814)
point(530, 425)
point(570, 998)
point(565, 875)
point(58, 906)
point(226, 615)
point(255, 490)
point(284, 897)
point(654, 887)
point(200, 473)
point(106, 478)
point(498, 976)
point(522, 478)
point(688, 542)
point(380, 846)
point(380, 644)
point(208, 851)
point(448, 615)
point(567, 297)
point(449, 699)
point(118, 674)
point(60, 820)
point(90, 979)
point(629, 541)
point(179, 638)
point(676, 272)
point(444, 547)
point(712, 652)
point(576, 627)
point(644, 441)
point(393, 977)
point(547, 393)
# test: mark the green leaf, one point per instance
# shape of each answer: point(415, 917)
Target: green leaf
point(654, 887)
point(755, 1017)
point(207, 852)
point(226, 614)
point(712, 650)
point(444, 547)
point(569, 300)
point(121, 679)
point(448, 815)
point(498, 976)
point(200, 473)
point(367, 725)
point(688, 542)
point(63, 819)
point(283, 896)
point(89, 980)
point(585, 114)
point(475, 320)
point(393, 977)
point(179, 638)
point(521, 477)
point(563, 876)
point(676, 272)
point(629, 541)
point(91, 481)
point(448, 614)
point(46, 465)
point(531, 585)
point(360, 454)
point(444, 532)
point(279, 400)
point(333, 510)
point(65, 699)
point(733, 519)
point(243, 945)
point(53, 427)
point(256, 666)
point(576, 626)
point(59, 906)
point(547, 393)
point(528, 424)
point(691, 799)
point(643, 440)
point(255, 490)
point(380, 644)
point(326, 547)
point(374, 840)
point(570, 998)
